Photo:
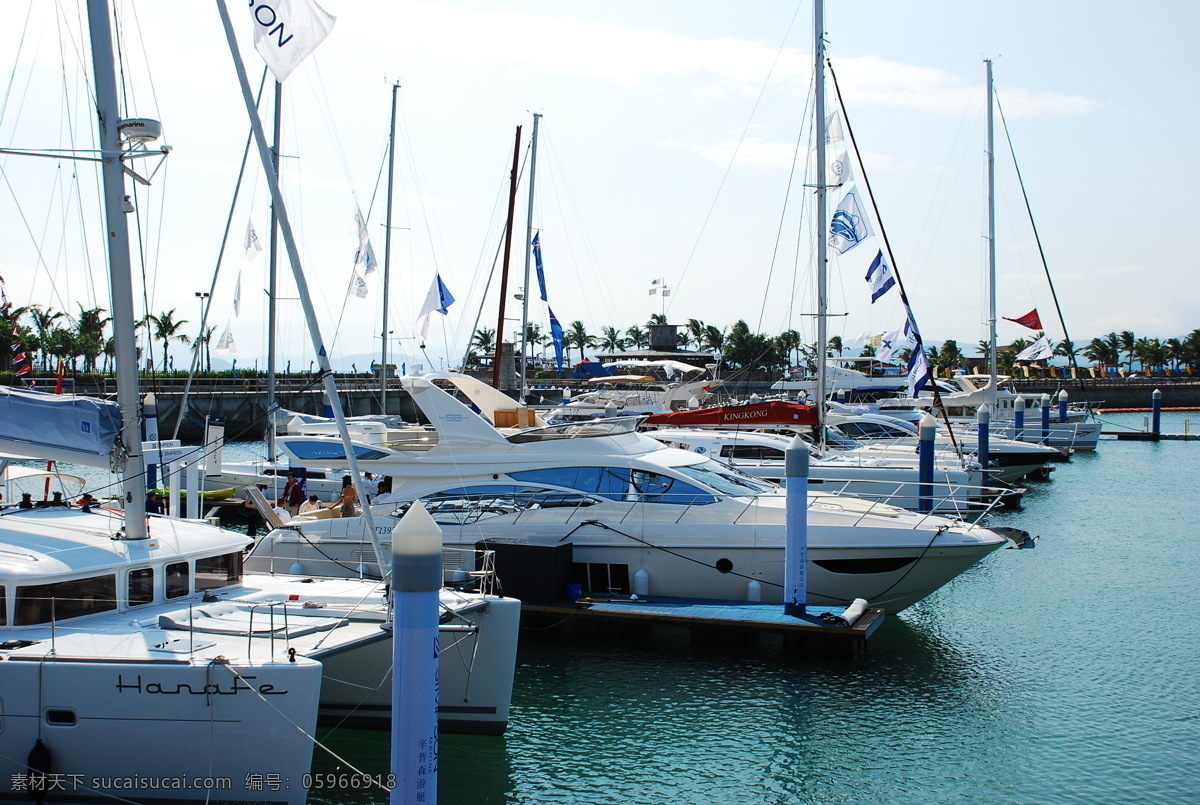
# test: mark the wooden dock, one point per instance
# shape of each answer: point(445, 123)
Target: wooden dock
point(710, 620)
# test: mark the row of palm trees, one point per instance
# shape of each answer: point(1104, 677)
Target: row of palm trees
point(740, 348)
point(80, 341)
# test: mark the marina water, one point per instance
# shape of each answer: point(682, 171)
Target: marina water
point(1064, 674)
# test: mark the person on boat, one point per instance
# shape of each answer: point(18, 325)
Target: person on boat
point(252, 517)
point(153, 504)
point(293, 495)
point(311, 505)
point(347, 498)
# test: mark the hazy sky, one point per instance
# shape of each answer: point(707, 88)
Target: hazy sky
point(665, 151)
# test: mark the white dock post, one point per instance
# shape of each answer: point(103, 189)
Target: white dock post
point(193, 489)
point(1019, 418)
point(1155, 412)
point(1062, 405)
point(795, 552)
point(416, 581)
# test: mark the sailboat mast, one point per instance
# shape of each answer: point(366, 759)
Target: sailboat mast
point(272, 280)
point(310, 313)
point(528, 253)
point(991, 237)
point(387, 256)
point(512, 206)
point(822, 216)
point(120, 283)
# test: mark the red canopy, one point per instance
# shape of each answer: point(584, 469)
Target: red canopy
point(772, 413)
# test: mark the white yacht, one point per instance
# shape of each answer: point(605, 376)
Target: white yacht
point(637, 515)
point(889, 479)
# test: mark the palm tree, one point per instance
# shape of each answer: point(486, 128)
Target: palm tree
point(611, 340)
point(1128, 343)
point(483, 344)
point(656, 318)
point(835, 345)
point(1175, 352)
point(89, 329)
point(203, 341)
point(695, 329)
point(951, 356)
point(1101, 352)
point(43, 323)
point(788, 342)
point(166, 329)
point(577, 336)
point(638, 337)
point(713, 339)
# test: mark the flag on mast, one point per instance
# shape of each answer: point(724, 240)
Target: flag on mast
point(849, 226)
point(1030, 320)
point(1042, 348)
point(225, 345)
point(253, 244)
point(879, 277)
point(437, 300)
point(237, 296)
point(556, 333)
point(287, 31)
point(537, 259)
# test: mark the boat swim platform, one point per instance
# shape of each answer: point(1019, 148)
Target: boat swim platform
point(713, 621)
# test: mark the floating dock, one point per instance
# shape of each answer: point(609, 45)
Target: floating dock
point(712, 620)
point(1139, 436)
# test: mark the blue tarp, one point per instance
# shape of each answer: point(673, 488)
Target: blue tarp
point(30, 420)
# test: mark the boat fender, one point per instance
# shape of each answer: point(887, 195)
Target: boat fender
point(753, 590)
point(641, 582)
point(851, 614)
point(40, 763)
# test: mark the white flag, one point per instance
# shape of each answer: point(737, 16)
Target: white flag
point(366, 256)
point(286, 31)
point(849, 226)
point(253, 244)
point(237, 296)
point(839, 169)
point(833, 128)
point(1037, 350)
point(437, 300)
point(918, 371)
point(361, 224)
point(358, 287)
point(225, 345)
point(890, 344)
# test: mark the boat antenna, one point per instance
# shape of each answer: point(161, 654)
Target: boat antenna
point(887, 244)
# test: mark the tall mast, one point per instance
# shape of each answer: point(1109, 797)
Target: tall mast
point(310, 313)
point(387, 255)
point(120, 284)
point(528, 252)
point(512, 205)
point(822, 217)
point(990, 285)
point(272, 281)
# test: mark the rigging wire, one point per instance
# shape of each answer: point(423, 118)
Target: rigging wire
point(733, 158)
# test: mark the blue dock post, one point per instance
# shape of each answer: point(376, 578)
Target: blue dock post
point(1155, 412)
point(795, 549)
point(1019, 418)
point(416, 582)
point(984, 419)
point(1062, 406)
point(1045, 419)
point(925, 433)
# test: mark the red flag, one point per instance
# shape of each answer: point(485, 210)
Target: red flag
point(24, 370)
point(1029, 320)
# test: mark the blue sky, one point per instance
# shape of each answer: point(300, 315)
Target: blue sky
point(644, 105)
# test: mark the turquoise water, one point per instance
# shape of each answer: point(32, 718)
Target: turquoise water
point(1065, 674)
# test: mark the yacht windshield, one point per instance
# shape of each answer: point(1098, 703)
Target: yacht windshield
point(726, 479)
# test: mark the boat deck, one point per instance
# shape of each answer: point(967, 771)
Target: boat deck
point(810, 635)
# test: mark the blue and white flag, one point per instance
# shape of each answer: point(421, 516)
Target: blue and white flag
point(537, 259)
point(556, 333)
point(879, 277)
point(890, 344)
point(849, 226)
point(918, 371)
point(437, 300)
